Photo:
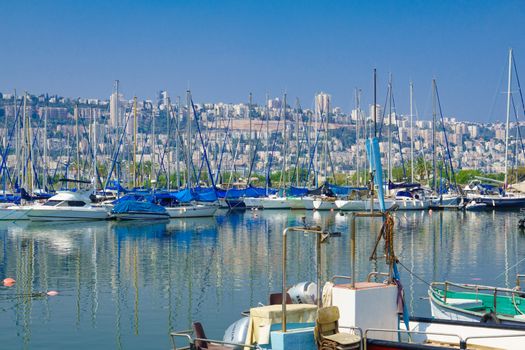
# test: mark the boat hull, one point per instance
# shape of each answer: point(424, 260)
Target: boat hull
point(15, 213)
point(191, 211)
point(361, 204)
point(502, 202)
point(67, 214)
point(324, 204)
point(141, 216)
point(412, 204)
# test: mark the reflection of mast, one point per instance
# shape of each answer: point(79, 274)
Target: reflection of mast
point(136, 288)
point(94, 293)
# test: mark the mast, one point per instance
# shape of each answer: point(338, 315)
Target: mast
point(179, 109)
point(411, 133)
point(375, 103)
point(285, 142)
point(153, 144)
point(77, 132)
point(389, 130)
point(188, 140)
point(135, 141)
point(29, 152)
point(434, 134)
point(297, 109)
point(357, 135)
point(94, 150)
point(45, 148)
point(509, 81)
point(168, 132)
point(23, 143)
point(267, 116)
point(326, 139)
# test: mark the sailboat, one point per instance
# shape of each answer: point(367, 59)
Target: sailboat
point(505, 199)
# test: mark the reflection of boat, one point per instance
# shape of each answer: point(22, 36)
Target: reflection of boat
point(138, 210)
point(470, 302)
point(68, 206)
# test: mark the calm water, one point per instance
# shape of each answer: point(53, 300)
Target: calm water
point(127, 285)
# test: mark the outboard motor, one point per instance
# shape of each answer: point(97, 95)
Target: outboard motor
point(236, 332)
point(303, 293)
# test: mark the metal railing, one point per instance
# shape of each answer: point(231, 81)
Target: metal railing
point(187, 334)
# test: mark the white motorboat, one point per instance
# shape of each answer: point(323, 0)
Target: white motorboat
point(191, 211)
point(68, 206)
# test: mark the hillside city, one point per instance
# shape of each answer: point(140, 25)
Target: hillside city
point(233, 131)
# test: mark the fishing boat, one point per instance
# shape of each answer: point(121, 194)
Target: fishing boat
point(477, 303)
point(69, 206)
point(350, 314)
point(139, 210)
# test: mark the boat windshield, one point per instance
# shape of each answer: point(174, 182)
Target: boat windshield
point(52, 203)
point(76, 203)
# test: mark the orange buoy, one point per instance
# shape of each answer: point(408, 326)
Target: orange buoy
point(9, 282)
point(52, 293)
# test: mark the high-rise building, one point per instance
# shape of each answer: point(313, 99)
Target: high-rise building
point(378, 113)
point(113, 110)
point(322, 103)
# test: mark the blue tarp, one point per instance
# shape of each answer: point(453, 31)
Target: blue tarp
point(137, 206)
point(205, 194)
point(183, 196)
point(296, 191)
point(251, 191)
point(345, 190)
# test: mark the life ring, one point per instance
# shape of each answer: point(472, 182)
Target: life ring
point(490, 317)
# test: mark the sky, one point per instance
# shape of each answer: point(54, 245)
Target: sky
point(223, 50)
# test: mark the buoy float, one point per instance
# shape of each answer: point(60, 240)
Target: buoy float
point(9, 282)
point(52, 293)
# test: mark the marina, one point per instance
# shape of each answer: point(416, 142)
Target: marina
point(262, 175)
point(129, 284)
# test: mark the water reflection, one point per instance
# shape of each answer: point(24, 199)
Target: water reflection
point(126, 285)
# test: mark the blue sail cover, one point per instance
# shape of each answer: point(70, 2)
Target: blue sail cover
point(204, 194)
point(137, 206)
point(296, 191)
point(183, 196)
point(345, 190)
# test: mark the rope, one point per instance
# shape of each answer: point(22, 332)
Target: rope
point(413, 274)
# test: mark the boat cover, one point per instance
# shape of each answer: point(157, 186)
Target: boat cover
point(137, 206)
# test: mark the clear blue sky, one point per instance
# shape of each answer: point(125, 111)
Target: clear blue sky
point(225, 49)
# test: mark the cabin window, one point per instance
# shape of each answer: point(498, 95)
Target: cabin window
point(75, 203)
point(52, 203)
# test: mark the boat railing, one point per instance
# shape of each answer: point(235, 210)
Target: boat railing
point(340, 277)
point(375, 274)
point(411, 332)
point(518, 278)
point(188, 335)
point(477, 288)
